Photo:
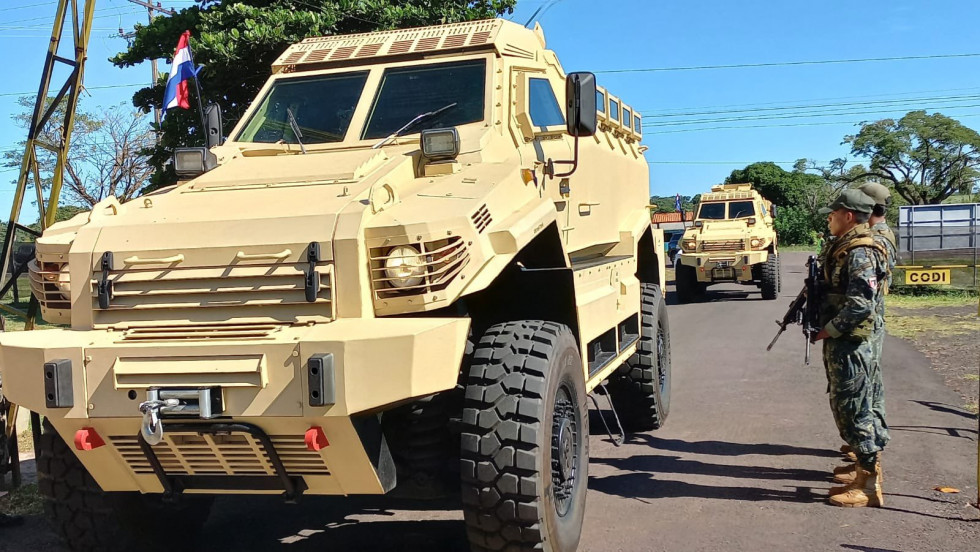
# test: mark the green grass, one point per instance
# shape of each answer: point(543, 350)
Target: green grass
point(799, 248)
point(937, 298)
point(23, 501)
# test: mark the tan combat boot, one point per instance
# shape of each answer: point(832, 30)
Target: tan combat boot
point(864, 491)
point(845, 474)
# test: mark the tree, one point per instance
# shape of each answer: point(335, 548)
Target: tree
point(236, 42)
point(927, 158)
point(104, 158)
point(666, 204)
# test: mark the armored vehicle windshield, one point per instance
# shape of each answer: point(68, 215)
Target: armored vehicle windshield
point(726, 210)
point(324, 105)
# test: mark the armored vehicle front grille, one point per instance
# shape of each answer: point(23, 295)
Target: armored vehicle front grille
point(207, 332)
point(235, 454)
point(723, 245)
point(214, 294)
point(50, 285)
point(443, 260)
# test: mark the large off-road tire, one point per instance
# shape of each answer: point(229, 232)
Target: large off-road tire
point(770, 277)
point(641, 389)
point(422, 445)
point(89, 519)
point(525, 441)
point(689, 289)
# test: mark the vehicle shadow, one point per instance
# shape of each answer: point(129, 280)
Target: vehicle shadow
point(656, 463)
point(724, 448)
point(649, 486)
point(334, 523)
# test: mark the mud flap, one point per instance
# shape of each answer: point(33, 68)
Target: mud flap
point(368, 429)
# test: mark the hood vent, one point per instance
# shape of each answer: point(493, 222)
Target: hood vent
point(481, 219)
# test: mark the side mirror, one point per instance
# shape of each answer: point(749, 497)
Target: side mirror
point(580, 104)
point(773, 211)
point(212, 116)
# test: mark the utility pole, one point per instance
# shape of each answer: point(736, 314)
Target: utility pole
point(150, 8)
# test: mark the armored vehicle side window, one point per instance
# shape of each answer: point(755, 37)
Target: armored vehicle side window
point(614, 110)
point(544, 107)
point(600, 101)
point(637, 125)
point(407, 92)
point(713, 211)
point(322, 105)
point(627, 117)
point(741, 209)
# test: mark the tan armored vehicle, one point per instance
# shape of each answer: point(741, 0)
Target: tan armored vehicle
point(413, 259)
point(733, 240)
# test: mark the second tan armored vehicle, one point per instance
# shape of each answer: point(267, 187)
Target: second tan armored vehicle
point(416, 255)
point(732, 240)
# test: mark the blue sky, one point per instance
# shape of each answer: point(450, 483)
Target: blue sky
point(589, 35)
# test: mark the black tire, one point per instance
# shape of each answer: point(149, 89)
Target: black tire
point(90, 519)
point(770, 277)
point(689, 289)
point(525, 440)
point(641, 391)
point(422, 445)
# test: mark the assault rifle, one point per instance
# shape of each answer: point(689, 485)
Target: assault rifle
point(804, 310)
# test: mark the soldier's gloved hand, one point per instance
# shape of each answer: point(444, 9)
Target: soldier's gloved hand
point(822, 334)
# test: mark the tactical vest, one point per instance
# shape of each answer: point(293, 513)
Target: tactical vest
point(881, 231)
point(836, 276)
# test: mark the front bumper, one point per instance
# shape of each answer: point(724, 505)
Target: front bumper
point(263, 377)
point(724, 266)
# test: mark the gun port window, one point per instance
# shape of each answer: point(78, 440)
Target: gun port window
point(712, 211)
point(627, 117)
point(741, 209)
point(322, 105)
point(637, 126)
point(407, 92)
point(600, 101)
point(544, 108)
point(614, 109)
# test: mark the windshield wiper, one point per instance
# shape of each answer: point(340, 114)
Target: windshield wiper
point(417, 118)
point(296, 131)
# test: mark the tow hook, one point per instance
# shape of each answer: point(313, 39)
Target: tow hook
point(151, 427)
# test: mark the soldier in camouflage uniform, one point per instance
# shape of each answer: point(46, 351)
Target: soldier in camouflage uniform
point(884, 237)
point(853, 267)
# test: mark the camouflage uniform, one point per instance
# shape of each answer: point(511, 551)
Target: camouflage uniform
point(851, 313)
point(884, 237)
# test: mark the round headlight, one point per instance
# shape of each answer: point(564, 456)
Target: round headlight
point(756, 242)
point(690, 245)
point(404, 266)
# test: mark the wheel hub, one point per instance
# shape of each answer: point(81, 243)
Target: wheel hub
point(564, 451)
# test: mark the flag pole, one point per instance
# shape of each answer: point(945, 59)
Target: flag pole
point(197, 89)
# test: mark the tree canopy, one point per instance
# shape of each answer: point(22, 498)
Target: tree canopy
point(926, 158)
point(236, 42)
point(666, 204)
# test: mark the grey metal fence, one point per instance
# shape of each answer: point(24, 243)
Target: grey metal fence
point(941, 236)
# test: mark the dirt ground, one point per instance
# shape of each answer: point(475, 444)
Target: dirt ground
point(950, 337)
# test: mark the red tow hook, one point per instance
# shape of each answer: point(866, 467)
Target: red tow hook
point(316, 439)
point(88, 439)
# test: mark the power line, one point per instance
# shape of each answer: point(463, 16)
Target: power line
point(86, 88)
point(12, 8)
point(784, 63)
point(824, 123)
point(891, 95)
point(800, 115)
point(810, 106)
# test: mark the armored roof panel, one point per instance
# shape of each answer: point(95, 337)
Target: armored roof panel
point(312, 53)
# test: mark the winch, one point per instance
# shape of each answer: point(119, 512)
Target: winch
point(203, 403)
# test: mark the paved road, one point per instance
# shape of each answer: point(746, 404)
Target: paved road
point(742, 464)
